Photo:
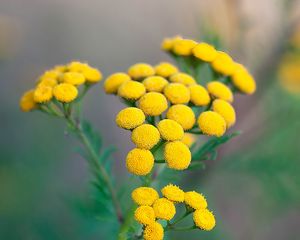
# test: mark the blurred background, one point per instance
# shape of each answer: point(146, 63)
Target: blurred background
point(254, 185)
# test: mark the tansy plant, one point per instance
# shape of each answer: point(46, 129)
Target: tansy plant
point(169, 111)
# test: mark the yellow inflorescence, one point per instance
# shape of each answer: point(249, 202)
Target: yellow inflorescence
point(114, 81)
point(144, 196)
point(168, 43)
point(153, 103)
point(195, 200)
point(177, 93)
point(188, 139)
point(74, 78)
point(204, 219)
point(139, 161)
point(144, 215)
point(183, 78)
point(205, 52)
point(154, 231)
point(177, 155)
point(141, 70)
point(199, 95)
point(42, 94)
point(220, 90)
point(165, 69)
point(184, 47)
point(145, 136)
point(173, 193)
point(27, 102)
point(65, 92)
point(243, 80)
point(130, 118)
point(225, 110)
point(155, 83)
point(212, 124)
point(223, 64)
point(182, 114)
point(170, 130)
point(131, 90)
point(164, 209)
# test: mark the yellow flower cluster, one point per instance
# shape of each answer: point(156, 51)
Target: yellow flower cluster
point(152, 207)
point(61, 84)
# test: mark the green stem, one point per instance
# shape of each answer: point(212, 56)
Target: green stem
point(126, 224)
point(181, 218)
point(181, 229)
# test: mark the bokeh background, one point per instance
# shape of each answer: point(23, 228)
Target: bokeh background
point(254, 185)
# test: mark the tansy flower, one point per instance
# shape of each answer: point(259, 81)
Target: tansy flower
point(225, 110)
point(60, 68)
point(188, 139)
point(165, 69)
point(50, 74)
point(74, 78)
point(183, 78)
point(204, 219)
point(170, 130)
point(220, 90)
point(154, 231)
point(223, 64)
point(131, 90)
point(164, 209)
point(42, 94)
point(144, 215)
point(130, 118)
point(212, 124)
point(114, 81)
point(199, 95)
point(153, 103)
point(182, 114)
point(76, 66)
point(243, 80)
point(205, 52)
point(141, 70)
point(184, 47)
point(92, 75)
point(65, 92)
point(155, 83)
point(49, 82)
point(144, 196)
point(177, 93)
point(139, 161)
point(195, 200)
point(27, 102)
point(177, 155)
point(168, 43)
point(145, 136)
point(173, 193)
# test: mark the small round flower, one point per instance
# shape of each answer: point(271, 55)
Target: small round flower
point(145, 136)
point(183, 78)
point(92, 75)
point(182, 114)
point(139, 161)
point(170, 130)
point(212, 124)
point(243, 80)
point(205, 52)
point(173, 193)
point(177, 93)
point(144, 196)
point(130, 118)
point(168, 43)
point(74, 78)
point(54, 74)
point(223, 64)
point(204, 219)
point(153, 103)
point(131, 90)
point(42, 94)
point(49, 82)
point(60, 68)
point(114, 81)
point(65, 92)
point(195, 200)
point(155, 83)
point(164, 209)
point(199, 95)
point(225, 110)
point(27, 102)
point(141, 70)
point(76, 66)
point(177, 155)
point(154, 231)
point(220, 90)
point(184, 47)
point(188, 139)
point(165, 69)
point(144, 215)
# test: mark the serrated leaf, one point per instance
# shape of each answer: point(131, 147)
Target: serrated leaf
point(92, 135)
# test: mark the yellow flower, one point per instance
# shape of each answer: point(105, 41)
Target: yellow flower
point(220, 90)
point(114, 81)
point(42, 94)
point(205, 52)
point(177, 155)
point(177, 93)
point(164, 209)
point(173, 193)
point(155, 83)
point(188, 139)
point(165, 69)
point(139, 161)
point(130, 118)
point(49, 82)
point(199, 95)
point(76, 66)
point(144, 196)
point(212, 124)
point(141, 70)
point(195, 200)
point(170, 130)
point(184, 47)
point(65, 92)
point(144, 215)
point(223, 64)
point(243, 80)
point(60, 68)
point(154, 231)
point(74, 78)
point(183, 78)
point(225, 110)
point(153, 103)
point(168, 43)
point(92, 75)
point(145, 136)
point(27, 102)
point(182, 114)
point(50, 74)
point(131, 90)
point(204, 219)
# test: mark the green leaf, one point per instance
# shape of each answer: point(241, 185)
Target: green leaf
point(196, 166)
point(92, 134)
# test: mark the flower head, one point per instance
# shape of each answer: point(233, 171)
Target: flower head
point(54, 74)
point(74, 78)
point(114, 81)
point(65, 92)
point(155, 83)
point(177, 93)
point(42, 94)
point(144, 215)
point(204, 219)
point(165, 69)
point(145, 136)
point(177, 155)
point(92, 75)
point(220, 90)
point(183, 78)
point(27, 102)
point(243, 80)
point(131, 90)
point(141, 70)
point(139, 161)
point(168, 43)
point(170, 130)
point(212, 123)
point(225, 110)
point(188, 139)
point(182, 114)
point(154, 231)
point(130, 118)
point(223, 64)
point(49, 82)
point(164, 209)
point(173, 193)
point(144, 196)
point(199, 95)
point(153, 103)
point(205, 52)
point(195, 200)
point(184, 47)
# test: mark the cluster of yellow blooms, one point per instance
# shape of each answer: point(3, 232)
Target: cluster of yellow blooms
point(152, 207)
point(60, 83)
